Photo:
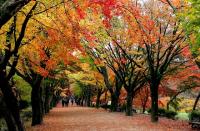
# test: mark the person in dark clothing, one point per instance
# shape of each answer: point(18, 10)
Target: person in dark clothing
point(72, 99)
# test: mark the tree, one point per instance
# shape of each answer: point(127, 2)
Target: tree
point(109, 81)
point(48, 51)
point(162, 41)
point(187, 85)
point(142, 96)
point(190, 19)
point(113, 48)
point(186, 77)
point(89, 80)
point(9, 57)
point(15, 39)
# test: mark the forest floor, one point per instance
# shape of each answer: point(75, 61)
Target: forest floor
point(74, 118)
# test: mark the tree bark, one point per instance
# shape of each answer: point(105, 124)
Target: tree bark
point(11, 125)
point(129, 101)
point(115, 95)
point(144, 104)
point(36, 101)
point(9, 8)
point(47, 99)
point(98, 98)
point(114, 102)
point(154, 101)
point(7, 115)
point(11, 101)
point(89, 97)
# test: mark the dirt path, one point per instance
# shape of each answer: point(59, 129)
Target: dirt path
point(90, 119)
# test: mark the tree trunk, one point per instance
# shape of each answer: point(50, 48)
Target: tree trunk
point(47, 99)
point(198, 63)
point(10, 121)
point(98, 98)
point(129, 101)
point(143, 108)
point(154, 102)
point(115, 96)
point(5, 112)
point(114, 102)
point(82, 101)
point(53, 101)
point(88, 97)
point(9, 8)
point(36, 101)
point(105, 98)
point(196, 101)
point(144, 105)
point(168, 104)
point(11, 101)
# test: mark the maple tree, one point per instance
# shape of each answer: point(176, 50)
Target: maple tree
point(186, 79)
point(142, 98)
point(43, 60)
point(9, 56)
point(129, 43)
point(109, 80)
point(117, 53)
point(162, 41)
point(90, 82)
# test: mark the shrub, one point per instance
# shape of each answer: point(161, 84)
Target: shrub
point(182, 116)
point(3, 126)
point(162, 112)
point(149, 110)
point(26, 114)
point(194, 114)
point(170, 114)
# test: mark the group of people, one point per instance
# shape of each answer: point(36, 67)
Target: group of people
point(66, 100)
